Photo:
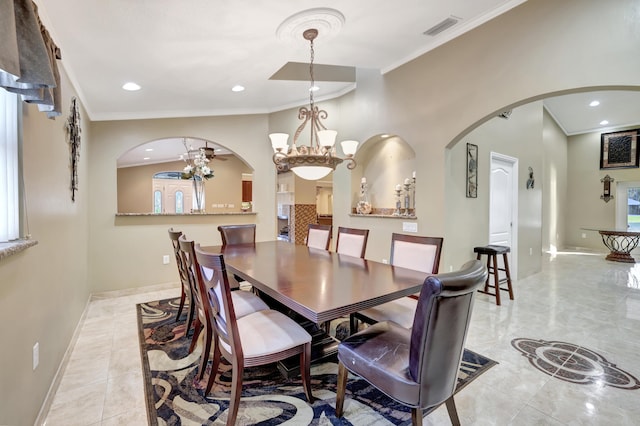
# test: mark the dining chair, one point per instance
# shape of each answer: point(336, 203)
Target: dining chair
point(186, 295)
point(245, 302)
point(352, 241)
point(319, 236)
point(411, 252)
point(259, 338)
point(237, 234)
point(417, 367)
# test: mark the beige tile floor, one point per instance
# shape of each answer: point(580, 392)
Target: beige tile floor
point(578, 298)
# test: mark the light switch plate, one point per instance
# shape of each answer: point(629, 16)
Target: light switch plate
point(409, 227)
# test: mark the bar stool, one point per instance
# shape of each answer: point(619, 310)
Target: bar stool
point(492, 252)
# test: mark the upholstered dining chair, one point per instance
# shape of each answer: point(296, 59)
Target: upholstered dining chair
point(417, 367)
point(245, 303)
point(237, 234)
point(352, 241)
point(234, 235)
point(319, 236)
point(411, 252)
point(259, 338)
point(186, 294)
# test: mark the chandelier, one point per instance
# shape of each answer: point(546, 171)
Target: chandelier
point(318, 159)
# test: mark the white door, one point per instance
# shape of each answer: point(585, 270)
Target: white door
point(503, 206)
point(175, 195)
point(628, 208)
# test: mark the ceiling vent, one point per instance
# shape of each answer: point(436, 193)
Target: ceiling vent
point(440, 27)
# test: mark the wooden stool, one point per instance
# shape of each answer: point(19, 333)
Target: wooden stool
point(492, 253)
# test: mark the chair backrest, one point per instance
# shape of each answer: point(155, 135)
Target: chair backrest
point(416, 252)
point(319, 236)
point(212, 273)
point(352, 241)
point(188, 259)
point(182, 270)
point(440, 330)
point(237, 234)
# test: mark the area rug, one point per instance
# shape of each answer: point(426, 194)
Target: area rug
point(174, 396)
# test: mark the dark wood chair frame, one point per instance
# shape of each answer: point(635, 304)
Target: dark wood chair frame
point(186, 292)
point(225, 328)
point(237, 234)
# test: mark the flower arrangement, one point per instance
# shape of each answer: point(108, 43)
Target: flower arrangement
point(197, 165)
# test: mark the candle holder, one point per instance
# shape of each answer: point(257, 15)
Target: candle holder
point(413, 193)
point(407, 198)
point(364, 205)
point(398, 192)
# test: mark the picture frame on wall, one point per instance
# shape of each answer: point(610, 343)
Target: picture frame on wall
point(472, 170)
point(619, 150)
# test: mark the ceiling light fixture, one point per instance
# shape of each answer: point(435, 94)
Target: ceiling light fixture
point(594, 103)
point(131, 86)
point(237, 88)
point(318, 159)
point(604, 122)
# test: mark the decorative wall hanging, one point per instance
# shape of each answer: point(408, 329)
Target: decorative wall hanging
point(619, 150)
point(472, 171)
point(531, 181)
point(606, 190)
point(72, 129)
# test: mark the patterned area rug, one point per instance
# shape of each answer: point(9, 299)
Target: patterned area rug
point(175, 396)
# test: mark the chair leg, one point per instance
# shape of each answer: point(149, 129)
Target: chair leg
point(416, 416)
point(341, 387)
point(496, 278)
point(190, 312)
point(197, 328)
point(486, 283)
point(182, 298)
point(506, 270)
point(453, 413)
point(214, 368)
point(353, 324)
point(206, 352)
point(305, 371)
point(236, 392)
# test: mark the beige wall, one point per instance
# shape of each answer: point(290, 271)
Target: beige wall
point(135, 193)
point(43, 290)
point(584, 206)
point(553, 183)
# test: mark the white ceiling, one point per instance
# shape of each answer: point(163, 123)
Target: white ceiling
point(187, 55)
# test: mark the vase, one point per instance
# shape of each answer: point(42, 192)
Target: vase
point(198, 196)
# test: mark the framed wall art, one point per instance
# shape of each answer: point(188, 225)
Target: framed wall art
point(472, 170)
point(619, 150)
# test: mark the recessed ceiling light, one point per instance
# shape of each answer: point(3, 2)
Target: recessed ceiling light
point(237, 88)
point(147, 158)
point(604, 122)
point(131, 86)
point(594, 103)
point(314, 88)
point(149, 149)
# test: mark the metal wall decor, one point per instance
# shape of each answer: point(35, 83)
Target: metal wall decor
point(72, 129)
point(619, 150)
point(472, 170)
point(606, 188)
point(531, 181)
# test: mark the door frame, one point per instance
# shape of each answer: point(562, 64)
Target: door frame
point(622, 208)
point(497, 157)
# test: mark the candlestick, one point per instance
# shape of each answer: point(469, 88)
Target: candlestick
point(398, 191)
point(364, 180)
point(407, 187)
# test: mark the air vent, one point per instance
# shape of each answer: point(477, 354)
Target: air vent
point(440, 27)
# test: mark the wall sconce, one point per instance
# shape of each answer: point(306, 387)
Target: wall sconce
point(606, 190)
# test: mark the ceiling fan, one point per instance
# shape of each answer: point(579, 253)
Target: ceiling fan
point(209, 152)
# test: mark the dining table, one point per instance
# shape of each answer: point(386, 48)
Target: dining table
point(317, 284)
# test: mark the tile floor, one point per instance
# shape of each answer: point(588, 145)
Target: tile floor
point(578, 298)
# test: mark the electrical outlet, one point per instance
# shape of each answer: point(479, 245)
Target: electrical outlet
point(530, 251)
point(409, 227)
point(165, 259)
point(36, 355)
point(450, 268)
point(385, 261)
point(584, 235)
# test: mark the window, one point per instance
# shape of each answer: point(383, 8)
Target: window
point(9, 166)
point(157, 201)
point(179, 202)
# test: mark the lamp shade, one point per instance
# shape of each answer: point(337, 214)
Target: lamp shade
point(279, 141)
point(327, 138)
point(349, 147)
point(311, 172)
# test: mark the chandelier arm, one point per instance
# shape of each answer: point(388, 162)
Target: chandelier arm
point(351, 163)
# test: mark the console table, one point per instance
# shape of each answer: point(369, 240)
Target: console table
point(620, 242)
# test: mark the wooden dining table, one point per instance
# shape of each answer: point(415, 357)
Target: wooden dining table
point(318, 285)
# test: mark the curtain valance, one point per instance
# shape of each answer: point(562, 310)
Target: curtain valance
point(28, 56)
